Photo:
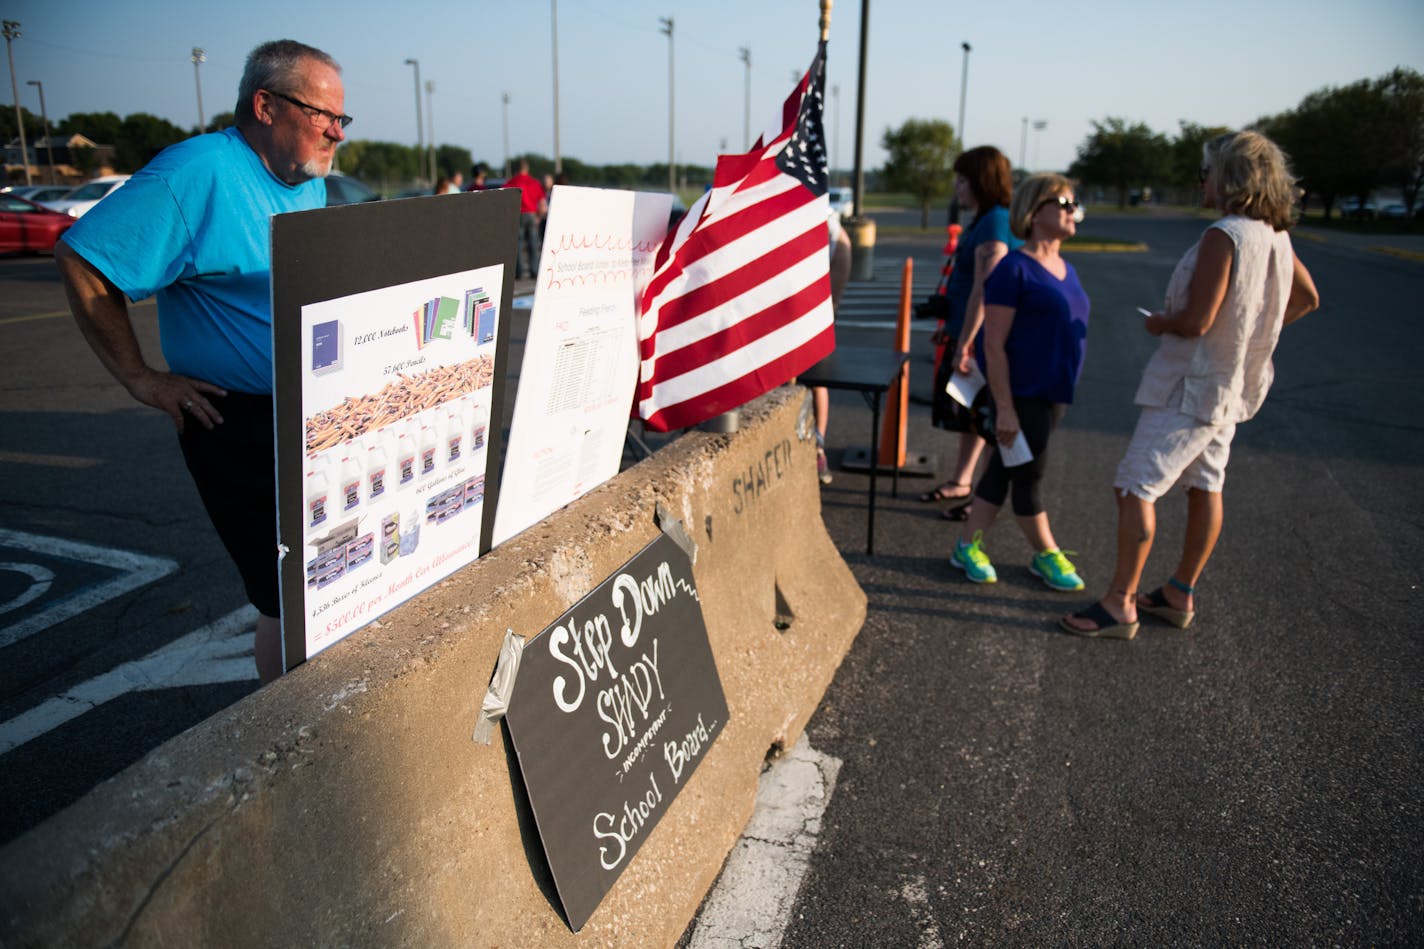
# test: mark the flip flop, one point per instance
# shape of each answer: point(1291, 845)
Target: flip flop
point(960, 513)
point(939, 493)
point(1104, 625)
point(1156, 604)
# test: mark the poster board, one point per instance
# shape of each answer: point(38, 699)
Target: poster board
point(390, 343)
point(580, 363)
point(615, 706)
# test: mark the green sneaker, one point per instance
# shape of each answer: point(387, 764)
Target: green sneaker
point(973, 561)
point(1055, 570)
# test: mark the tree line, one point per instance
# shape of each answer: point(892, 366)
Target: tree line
point(1343, 142)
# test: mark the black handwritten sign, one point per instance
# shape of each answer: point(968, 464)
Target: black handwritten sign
point(615, 706)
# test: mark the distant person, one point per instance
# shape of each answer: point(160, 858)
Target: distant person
point(193, 228)
point(1035, 338)
point(442, 185)
point(477, 179)
point(983, 185)
point(1227, 301)
point(533, 203)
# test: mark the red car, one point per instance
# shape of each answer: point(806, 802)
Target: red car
point(28, 228)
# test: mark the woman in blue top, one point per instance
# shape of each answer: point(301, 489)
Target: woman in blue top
point(983, 183)
point(1035, 337)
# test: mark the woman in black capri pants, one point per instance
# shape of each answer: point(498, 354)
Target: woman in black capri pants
point(1034, 340)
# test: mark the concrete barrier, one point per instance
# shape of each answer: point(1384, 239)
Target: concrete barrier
point(346, 804)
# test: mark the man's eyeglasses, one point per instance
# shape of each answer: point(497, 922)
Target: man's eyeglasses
point(319, 117)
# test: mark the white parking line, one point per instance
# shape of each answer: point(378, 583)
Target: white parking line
point(218, 652)
point(752, 901)
point(136, 570)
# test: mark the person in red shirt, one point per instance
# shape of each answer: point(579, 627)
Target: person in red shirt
point(533, 203)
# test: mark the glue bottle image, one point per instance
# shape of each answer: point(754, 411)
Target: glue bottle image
point(376, 468)
point(477, 426)
point(405, 456)
point(318, 491)
point(350, 480)
point(454, 431)
point(429, 445)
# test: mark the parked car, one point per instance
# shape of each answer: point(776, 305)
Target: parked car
point(1354, 209)
point(84, 197)
point(843, 201)
point(30, 228)
point(1395, 212)
point(40, 193)
point(343, 189)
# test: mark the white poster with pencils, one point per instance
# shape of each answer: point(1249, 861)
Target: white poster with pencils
point(581, 356)
point(396, 409)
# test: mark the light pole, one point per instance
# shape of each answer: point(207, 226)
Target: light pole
point(44, 117)
point(1023, 146)
point(745, 55)
point(554, 32)
point(419, 122)
point(836, 135)
point(1038, 126)
point(505, 100)
point(666, 29)
point(11, 30)
point(430, 123)
point(963, 88)
point(199, 56)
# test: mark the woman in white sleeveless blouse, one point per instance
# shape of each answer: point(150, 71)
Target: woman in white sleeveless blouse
point(1226, 303)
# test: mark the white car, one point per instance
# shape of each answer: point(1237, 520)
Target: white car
point(85, 196)
point(842, 201)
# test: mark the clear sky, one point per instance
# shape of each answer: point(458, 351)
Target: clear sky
point(1209, 61)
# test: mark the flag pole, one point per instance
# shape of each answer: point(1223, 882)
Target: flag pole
point(730, 421)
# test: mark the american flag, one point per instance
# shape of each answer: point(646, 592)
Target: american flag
point(740, 297)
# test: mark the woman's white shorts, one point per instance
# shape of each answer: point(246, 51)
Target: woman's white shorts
point(1168, 447)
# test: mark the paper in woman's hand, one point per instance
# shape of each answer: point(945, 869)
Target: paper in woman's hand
point(963, 387)
point(1016, 454)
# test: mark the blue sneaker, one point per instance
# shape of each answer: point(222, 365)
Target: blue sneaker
point(1055, 570)
point(973, 561)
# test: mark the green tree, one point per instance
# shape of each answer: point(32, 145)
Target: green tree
point(1403, 141)
point(142, 136)
point(452, 158)
point(1118, 155)
point(1185, 162)
point(102, 128)
point(922, 153)
point(221, 121)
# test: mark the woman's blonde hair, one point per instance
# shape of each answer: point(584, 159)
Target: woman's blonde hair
point(1032, 192)
point(1252, 178)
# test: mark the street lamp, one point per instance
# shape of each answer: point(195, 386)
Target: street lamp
point(963, 88)
point(11, 30)
point(430, 122)
point(199, 56)
point(419, 122)
point(44, 117)
point(554, 33)
point(836, 135)
point(666, 30)
point(505, 99)
point(1038, 126)
point(745, 55)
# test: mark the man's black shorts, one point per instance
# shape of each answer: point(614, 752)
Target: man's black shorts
point(235, 468)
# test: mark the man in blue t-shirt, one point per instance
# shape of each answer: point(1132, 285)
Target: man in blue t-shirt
point(194, 228)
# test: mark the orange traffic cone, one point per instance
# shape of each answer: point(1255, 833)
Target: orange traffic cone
point(892, 435)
